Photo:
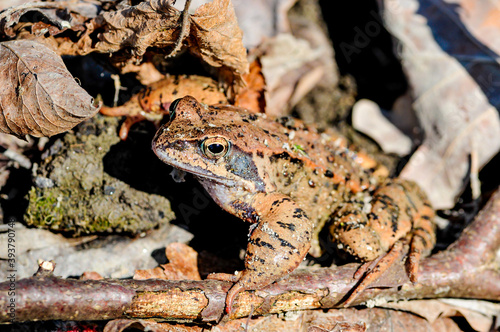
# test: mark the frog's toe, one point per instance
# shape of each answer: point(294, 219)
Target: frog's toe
point(249, 279)
point(422, 241)
point(239, 286)
point(231, 295)
point(419, 247)
point(413, 261)
point(242, 282)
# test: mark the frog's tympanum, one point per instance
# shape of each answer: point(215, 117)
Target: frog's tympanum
point(289, 180)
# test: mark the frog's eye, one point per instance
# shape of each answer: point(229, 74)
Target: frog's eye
point(215, 147)
point(172, 108)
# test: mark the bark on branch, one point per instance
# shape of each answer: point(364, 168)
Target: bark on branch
point(467, 269)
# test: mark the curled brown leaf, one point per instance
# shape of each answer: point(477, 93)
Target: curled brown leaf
point(149, 24)
point(214, 35)
point(52, 17)
point(130, 33)
point(217, 39)
point(39, 96)
point(182, 265)
point(252, 96)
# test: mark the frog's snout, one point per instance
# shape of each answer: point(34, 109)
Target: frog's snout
point(155, 143)
point(161, 147)
point(161, 144)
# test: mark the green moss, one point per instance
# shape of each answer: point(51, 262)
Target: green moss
point(44, 210)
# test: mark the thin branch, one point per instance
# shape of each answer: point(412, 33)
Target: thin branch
point(465, 270)
point(185, 25)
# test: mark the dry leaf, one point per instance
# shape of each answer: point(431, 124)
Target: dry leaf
point(183, 265)
point(214, 34)
point(262, 19)
point(115, 257)
point(433, 310)
point(91, 275)
point(34, 239)
point(252, 96)
point(149, 24)
point(64, 26)
point(154, 26)
point(48, 17)
point(146, 72)
point(39, 95)
point(4, 4)
point(455, 83)
point(217, 39)
point(367, 117)
point(291, 68)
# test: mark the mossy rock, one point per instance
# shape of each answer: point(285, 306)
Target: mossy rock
point(73, 193)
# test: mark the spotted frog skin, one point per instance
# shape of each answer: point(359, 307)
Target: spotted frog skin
point(289, 180)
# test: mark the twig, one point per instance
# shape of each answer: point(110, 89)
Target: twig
point(464, 270)
point(184, 30)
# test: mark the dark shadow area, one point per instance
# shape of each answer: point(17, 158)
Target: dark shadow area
point(14, 202)
point(45, 326)
point(94, 75)
point(364, 49)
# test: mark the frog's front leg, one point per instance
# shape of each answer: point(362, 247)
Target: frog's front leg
point(278, 242)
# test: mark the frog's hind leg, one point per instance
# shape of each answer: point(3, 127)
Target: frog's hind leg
point(278, 243)
point(399, 214)
point(415, 210)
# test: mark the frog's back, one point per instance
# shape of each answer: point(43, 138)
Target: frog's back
point(315, 169)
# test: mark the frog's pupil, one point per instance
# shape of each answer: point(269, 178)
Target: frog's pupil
point(216, 148)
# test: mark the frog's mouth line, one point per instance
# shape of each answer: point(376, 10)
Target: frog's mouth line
point(203, 174)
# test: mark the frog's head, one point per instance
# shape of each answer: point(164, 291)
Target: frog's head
point(209, 142)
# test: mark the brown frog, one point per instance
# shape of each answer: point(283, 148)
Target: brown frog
point(288, 180)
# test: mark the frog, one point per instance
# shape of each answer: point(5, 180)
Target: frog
point(289, 180)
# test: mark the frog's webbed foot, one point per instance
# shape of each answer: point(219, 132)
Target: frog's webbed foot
point(277, 244)
point(369, 272)
point(368, 275)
